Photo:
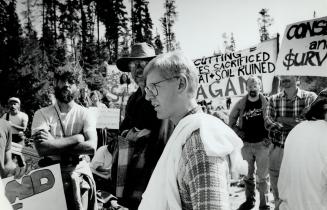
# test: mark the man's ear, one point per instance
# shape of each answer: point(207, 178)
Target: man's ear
point(182, 85)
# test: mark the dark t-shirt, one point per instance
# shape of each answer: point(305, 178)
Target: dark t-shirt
point(253, 123)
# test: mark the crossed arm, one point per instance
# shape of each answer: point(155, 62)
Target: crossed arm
point(77, 144)
point(47, 144)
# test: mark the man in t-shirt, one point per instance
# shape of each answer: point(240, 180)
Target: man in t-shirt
point(65, 133)
point(18, 120)
point(246, 119)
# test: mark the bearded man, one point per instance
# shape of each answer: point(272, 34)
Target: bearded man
point(65, 133)
point(247, 120)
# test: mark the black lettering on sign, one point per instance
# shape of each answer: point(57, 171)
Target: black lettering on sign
point(201, 92)
point(302, 30)
point(315, 45)
point(39, 181)
point(311, 58)
point(215, 93)
point(230, 87)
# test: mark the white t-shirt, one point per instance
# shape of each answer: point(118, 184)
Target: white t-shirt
point(302, 182)
point(77, 121)
point(19, 119)
point(102, 158)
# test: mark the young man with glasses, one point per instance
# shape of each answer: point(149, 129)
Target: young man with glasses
point(142, 142)
point(192, 172)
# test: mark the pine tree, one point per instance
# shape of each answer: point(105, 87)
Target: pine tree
point(113, 15)
point(264, 22)
point(158, 46)
point(141, 22)
point(168, 21)
point(230, 46)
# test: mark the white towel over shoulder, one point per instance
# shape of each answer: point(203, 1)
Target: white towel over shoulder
point(218, 140)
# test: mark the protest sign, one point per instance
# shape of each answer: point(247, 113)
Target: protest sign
point(37, 190)
point(304, 49)
point(225, 75)
point(106, 117)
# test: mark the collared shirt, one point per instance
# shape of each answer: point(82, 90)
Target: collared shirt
point(280, 106)
point(202, 180)
point(137, 159)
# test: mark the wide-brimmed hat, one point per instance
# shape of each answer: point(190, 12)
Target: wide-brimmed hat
point(141, 50)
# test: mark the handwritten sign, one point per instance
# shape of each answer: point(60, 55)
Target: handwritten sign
point(225, 75)
point(106, 117)
point(37, 190)
point(304, 49)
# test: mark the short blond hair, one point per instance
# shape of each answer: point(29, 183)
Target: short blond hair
point(174, 64)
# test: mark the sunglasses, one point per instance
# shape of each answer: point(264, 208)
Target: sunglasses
point(137, 63)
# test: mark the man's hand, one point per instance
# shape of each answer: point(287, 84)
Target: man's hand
point(115, 205)
point(42, 135)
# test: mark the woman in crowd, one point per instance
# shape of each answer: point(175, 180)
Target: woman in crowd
point(302, 182)
point(96, 99)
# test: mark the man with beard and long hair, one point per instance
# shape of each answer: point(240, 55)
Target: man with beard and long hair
point(246, 119)
point(65, 133)
point(284, 111)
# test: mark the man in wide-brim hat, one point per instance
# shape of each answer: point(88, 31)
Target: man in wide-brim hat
point(139, 145)
point(140, 55)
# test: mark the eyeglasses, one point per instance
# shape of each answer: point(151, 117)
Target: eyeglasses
point(151, 88)
point(137, 63)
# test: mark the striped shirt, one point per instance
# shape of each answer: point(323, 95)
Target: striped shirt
point(202, 180)
point(279, 106)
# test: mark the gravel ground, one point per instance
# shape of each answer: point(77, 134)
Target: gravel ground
point(237, 197)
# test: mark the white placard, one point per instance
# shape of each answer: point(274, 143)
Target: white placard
point(225, 74)
point(106, 117)
point(304, 49)
point(40, 189)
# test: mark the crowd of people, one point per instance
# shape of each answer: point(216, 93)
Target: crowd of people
point(173, 152)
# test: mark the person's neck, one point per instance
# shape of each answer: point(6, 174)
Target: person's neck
point(290, 92)
point(253, 99)
point(13, 113)
point(183, 110)
point(65, 107)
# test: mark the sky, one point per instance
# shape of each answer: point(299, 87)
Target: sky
point(200, 24)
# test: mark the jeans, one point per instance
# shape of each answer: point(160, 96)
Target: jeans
point(275, 160)
point(256, 153)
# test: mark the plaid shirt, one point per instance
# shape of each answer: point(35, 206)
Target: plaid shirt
point(202, 180)
point(137, 158)
point(280, 106)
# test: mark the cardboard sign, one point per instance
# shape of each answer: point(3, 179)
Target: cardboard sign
point(225, 75)
point(304, 49)
point(106, 117)
point(40, 189)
